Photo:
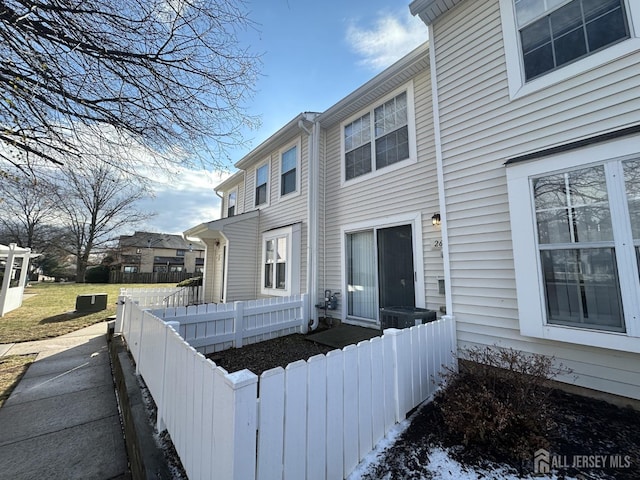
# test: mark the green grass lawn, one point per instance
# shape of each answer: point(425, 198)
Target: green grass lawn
point(49, 312)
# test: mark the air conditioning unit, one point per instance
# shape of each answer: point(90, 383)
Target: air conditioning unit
point(405, 317)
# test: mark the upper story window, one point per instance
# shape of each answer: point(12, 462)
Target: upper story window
point(550, 41)
point(556, 32)
point(380, 137)
point(231, 203)
point(289, 167)
point(262, 179)
point(180, 253)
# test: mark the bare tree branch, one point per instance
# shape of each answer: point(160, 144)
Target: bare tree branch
point(171, 74)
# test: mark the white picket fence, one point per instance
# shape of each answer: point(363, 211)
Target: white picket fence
point(316, 419)
point(213, 327)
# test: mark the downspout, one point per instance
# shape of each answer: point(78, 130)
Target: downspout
point(440, 171)
point(312, 214)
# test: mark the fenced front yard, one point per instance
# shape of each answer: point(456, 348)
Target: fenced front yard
point(315, 419)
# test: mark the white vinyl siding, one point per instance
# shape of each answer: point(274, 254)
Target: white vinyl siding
point(379, 200)
point(480, 129)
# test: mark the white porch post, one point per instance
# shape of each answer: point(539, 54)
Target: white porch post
point(8, 272)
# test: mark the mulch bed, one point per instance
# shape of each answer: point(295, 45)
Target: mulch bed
point(582, 426)
point(262, 356)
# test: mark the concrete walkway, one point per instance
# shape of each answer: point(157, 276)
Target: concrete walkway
point(62, 419)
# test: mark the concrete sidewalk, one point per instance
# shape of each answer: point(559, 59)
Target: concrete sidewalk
point(62, 419)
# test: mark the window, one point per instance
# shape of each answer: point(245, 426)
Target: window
point(555, 32)
point(549, 41)
point(262, 177)
point(275, 268)
point(281, 261)
point(180, 253)
point(578, 230)
point(380, 137)
point(130, 269)
point(231, 203)
point(288, 169)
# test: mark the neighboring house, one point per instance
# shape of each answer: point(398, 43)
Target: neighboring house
point(145, 252)
point(259, 246)
point(537, 122)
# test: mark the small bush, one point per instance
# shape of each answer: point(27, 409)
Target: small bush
point(498, 401)
point(99, 274)
point(191, 282)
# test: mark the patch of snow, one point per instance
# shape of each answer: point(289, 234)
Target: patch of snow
point(372, 458)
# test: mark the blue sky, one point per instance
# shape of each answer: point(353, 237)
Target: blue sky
point(314, 53)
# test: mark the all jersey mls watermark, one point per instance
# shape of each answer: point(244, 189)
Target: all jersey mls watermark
point(545, 462)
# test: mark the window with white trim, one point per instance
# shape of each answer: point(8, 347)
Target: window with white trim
point(380, 137)
point(564, 38)
point(289, 170)
point(556, 32)
point(262, 181)
point(281, 261)
point(231, 203)
point(576, 242)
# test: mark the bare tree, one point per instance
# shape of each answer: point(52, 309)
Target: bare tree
point(27, 207)
point(96, 202)
point(169, 75)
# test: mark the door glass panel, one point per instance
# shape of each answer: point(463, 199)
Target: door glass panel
point(395, 267)
point(361, 275)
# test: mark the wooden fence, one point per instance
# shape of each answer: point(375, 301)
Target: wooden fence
point(316, 419)
point(116, 276)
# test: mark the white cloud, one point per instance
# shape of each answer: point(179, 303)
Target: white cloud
point(388, 39)
point(183, 201)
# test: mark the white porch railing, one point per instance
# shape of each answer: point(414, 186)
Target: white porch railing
point(314, 419)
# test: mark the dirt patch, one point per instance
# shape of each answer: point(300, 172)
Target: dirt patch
point(262, 356)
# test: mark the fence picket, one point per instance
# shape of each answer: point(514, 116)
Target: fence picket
point(350, 411)
point(335, 415)
point(316, 417)
point(271, 425)
point(365, 434)
point(295, 411)
point(377, 390)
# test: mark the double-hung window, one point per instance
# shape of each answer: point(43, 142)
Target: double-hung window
point(262, 178)
point(281, 261)
point(556, 32)
point(288, 170)
point(231, 203)
point(380, 137)
point(576, 241)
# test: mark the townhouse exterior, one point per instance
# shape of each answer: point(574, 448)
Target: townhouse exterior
point(523, 142)
point(537, 120)
point(150, 252)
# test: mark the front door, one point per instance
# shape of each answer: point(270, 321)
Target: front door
point(395, 267)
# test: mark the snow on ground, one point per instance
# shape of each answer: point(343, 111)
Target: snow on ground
point(440, 467)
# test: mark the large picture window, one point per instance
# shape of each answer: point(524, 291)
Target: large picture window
point(554, 33)
point(576, 244)
point(378, 138)
point(577, 250)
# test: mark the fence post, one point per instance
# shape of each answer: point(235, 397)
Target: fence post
point(402, 374)
point(304, 310)
point(119, 313)
point(236, 412)
point(238, 323)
